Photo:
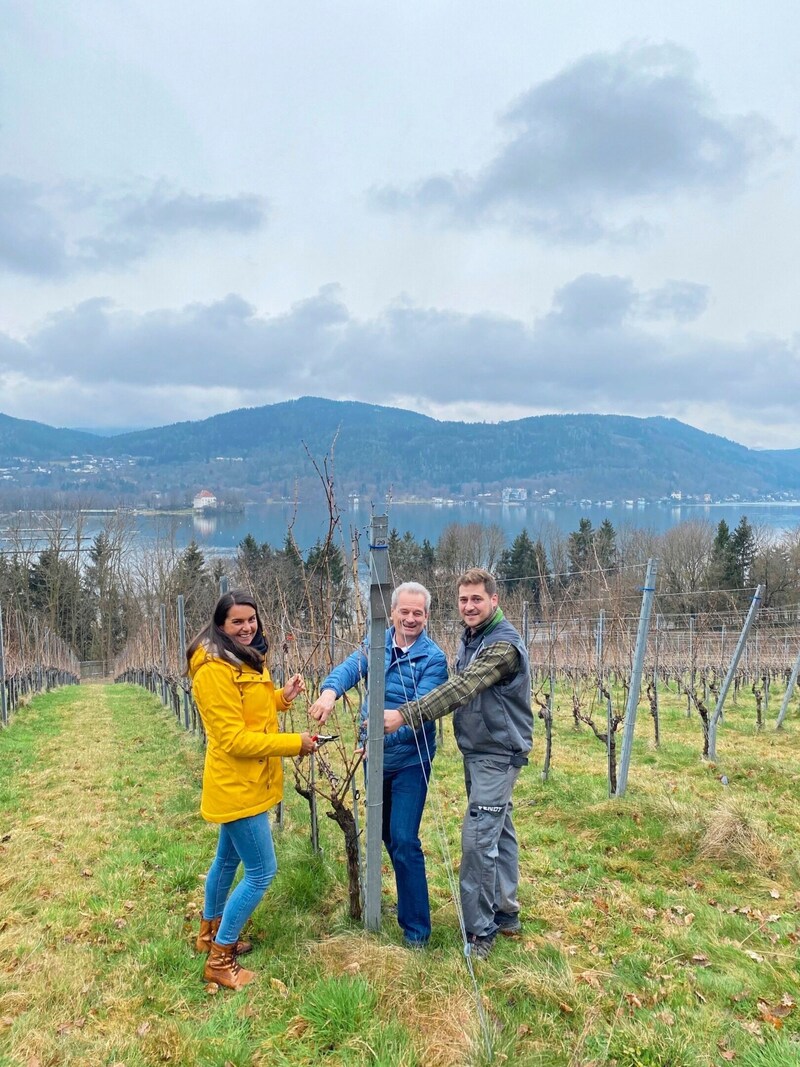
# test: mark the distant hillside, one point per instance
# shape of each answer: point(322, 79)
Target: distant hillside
point(35, 440)
point(379, 448)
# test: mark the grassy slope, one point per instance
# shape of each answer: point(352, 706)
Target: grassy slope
point(636, 951)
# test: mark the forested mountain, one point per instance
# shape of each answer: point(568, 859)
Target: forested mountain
point(379, 449)
point(34, 440)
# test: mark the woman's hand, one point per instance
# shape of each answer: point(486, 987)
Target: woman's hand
point(295, 685)
point(307, 744)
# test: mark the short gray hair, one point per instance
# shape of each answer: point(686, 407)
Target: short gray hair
point(412, 587)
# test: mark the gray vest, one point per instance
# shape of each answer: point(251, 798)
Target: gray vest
point(498, 722)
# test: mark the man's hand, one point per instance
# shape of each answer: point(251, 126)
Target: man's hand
point(323, 706)
point(392, 721)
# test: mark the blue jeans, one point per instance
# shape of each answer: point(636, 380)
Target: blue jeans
point(247, 841)
point(404, 794)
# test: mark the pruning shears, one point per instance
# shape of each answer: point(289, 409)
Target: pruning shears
point(322, 739)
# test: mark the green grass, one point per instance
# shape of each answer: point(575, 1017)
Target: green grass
point(636, 951)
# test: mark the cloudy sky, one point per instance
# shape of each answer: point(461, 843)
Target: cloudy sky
point(474, 210)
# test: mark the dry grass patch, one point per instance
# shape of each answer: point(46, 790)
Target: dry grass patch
point(733, 836)
point(434, 1004)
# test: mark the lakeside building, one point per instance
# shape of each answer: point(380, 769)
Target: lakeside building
point(204, 501)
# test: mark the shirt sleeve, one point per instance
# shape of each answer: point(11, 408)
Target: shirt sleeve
point(491, 665)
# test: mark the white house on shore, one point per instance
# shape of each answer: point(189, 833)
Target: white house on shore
point(204, 500)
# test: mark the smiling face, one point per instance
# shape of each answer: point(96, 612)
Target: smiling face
point(475, 605)
point(241, 623)
point(409, 618)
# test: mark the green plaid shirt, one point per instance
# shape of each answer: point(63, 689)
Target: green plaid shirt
point(490, 666)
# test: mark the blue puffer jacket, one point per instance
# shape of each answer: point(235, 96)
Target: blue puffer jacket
point(410, 675)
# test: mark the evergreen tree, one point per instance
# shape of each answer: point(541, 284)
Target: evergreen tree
point(104, 600)
point(580, 548)
point(525, 564)
point(55, 596)
point(743, 551)
point(605, 545)
point(191, 578)
point(723, 564)
point(405, 558)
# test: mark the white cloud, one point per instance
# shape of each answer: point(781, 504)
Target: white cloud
point(59, 232)
point(597, 349)
point(590, 149)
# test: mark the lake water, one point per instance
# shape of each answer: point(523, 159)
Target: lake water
point(220, 534)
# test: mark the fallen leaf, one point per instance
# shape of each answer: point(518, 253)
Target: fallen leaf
point(774, 894)
point(297, 1027)
point(142, 1029)
point(87, 872)
point(633, 1000)
point(700, 960)
point(770, 1015)
point(523, 1030)
point(566, 1008)
point(779, 1011)
point(755, 956)
point(212, 989)
point(751, 1027)
point(281, 987)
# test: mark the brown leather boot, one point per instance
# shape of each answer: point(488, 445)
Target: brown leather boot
point(206, 935)
point(242, 947)
point(223, 968)
point(208, 931)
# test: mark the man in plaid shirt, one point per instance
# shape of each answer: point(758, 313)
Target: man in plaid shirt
point(491, 693)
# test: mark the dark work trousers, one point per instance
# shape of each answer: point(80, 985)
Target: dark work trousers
point(489, 853)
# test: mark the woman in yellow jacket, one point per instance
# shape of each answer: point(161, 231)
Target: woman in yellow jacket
point(242, 777)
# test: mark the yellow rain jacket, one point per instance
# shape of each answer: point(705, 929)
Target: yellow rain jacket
point(239, 707)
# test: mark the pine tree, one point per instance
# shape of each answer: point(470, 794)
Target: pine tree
point(525, 564)
point(104, 600)
point(580, 548)
point(605, 545)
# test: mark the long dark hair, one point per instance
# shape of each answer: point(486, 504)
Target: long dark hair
point(214, 639)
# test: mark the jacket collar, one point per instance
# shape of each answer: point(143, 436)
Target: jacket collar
point(419, 648)
point(485, 629)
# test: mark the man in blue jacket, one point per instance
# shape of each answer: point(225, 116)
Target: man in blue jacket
point(490, 694)
point(414, 666)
